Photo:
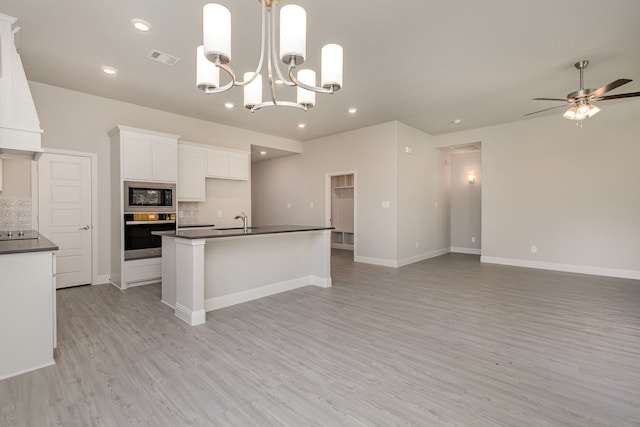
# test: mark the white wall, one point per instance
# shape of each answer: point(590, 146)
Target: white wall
point(76, 121)
point(412, 184)
point(423, 197)
point(572, 192)
point(300, 181)
point(466, 203)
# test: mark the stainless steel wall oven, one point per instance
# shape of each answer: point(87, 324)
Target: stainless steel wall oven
point(138, 241)
point(148, 207)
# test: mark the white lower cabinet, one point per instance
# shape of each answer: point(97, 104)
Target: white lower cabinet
point(142, 271)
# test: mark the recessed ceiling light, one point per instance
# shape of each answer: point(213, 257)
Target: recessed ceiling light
point(456, 121)
point(109, 70)
point(141, 25)
point(352, 110)
point(229, 105)
point(301, 125)
point(263, 153)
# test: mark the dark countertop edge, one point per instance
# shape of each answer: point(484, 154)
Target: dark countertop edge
point(217, 233)
point(41, 244)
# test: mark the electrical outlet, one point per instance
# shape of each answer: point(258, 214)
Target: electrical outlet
point(219, 214)
point(180, 214)
point(288, 205)
point(473, 240)
point(417, 245)
point(385, 204)
point(534, 249)
point(311, 205)
point(437, 204)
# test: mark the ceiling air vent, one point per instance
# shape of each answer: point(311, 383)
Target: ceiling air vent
point(162, 57)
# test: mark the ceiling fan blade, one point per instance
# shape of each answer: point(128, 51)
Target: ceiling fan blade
point(620, 95)
point(547, 109)
point(550, 99)
point(606, 88)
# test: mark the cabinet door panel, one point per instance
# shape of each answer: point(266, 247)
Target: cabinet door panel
point(191, 171)
point(165, 166)
point(239, 166)
point(217, 164)
point(137, 157)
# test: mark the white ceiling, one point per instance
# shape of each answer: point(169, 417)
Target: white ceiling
point(421, 62)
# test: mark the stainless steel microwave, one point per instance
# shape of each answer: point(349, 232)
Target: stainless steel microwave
point(149, 197)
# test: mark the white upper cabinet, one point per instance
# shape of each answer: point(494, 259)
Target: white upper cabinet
point(148, 156)
point(239, 166)
point(165, 165)
point(225, 164)
point(217, 163)
point(137, 157)
point(192, 163)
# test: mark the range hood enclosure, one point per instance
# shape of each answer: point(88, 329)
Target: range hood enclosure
point(20, 133)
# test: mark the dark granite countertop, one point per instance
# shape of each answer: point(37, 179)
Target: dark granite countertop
point(235, 232)
point(41, 244)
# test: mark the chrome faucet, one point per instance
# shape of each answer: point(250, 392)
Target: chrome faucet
point(244, 219)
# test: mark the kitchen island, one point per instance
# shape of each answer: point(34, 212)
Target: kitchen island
point(27, 304)
point(204, 270)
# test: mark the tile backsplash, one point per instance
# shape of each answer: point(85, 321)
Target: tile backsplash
point(189, 212)
point(15, 213)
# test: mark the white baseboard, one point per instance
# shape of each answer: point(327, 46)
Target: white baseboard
point(264, 291)
point(401, 262)
point(469, 251)
point(102, 279)
point(421, 257)
point(376, 261)
point(193, 318)
point(568, 268)
point(14, 374)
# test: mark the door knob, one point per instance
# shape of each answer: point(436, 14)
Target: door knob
point(86, 227)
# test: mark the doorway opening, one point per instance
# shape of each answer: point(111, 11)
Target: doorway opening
point(341, 210)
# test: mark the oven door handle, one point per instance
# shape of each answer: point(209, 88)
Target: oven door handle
point(167, 221)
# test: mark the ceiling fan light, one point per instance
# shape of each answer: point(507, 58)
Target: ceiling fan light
point(570, 113)
point(583, 109)
point(580, 116)
point(593, 110)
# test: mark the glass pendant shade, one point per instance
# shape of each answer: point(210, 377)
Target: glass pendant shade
point(570, 113)
point(593, 110)
point(293, 34)
point(252, 91)
point(307, 97)
point(207, 74)
point(331, 67)
point(216, 30)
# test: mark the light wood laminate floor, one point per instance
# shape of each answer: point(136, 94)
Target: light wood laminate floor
point(443, 342)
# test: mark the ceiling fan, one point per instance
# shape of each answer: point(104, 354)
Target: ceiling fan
point(580, 100)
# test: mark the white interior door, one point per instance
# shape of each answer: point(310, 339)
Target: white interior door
point(64, 214)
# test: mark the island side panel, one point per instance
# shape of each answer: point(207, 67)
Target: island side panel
point(321, 259)
point(240, 269)
point(190, 281)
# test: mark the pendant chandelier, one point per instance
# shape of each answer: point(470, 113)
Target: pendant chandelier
point(215, 55)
